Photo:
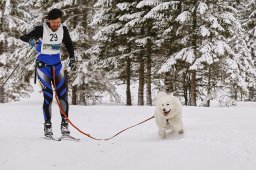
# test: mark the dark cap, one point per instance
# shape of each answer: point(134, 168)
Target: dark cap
point(54, 14)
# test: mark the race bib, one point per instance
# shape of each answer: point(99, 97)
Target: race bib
point(51, 41)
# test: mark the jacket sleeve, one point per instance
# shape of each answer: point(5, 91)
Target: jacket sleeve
point(36, 33)
point(68, 43)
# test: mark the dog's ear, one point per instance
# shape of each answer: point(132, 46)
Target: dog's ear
point(161, 94)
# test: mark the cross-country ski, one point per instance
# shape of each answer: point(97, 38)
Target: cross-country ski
point(68, 137)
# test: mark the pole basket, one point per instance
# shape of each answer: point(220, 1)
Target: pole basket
point(2, 94)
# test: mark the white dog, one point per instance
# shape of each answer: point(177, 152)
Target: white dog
point(168, 114)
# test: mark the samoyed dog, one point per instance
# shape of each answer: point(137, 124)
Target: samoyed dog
point(168, 114)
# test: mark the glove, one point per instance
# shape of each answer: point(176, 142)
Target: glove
point(72, 63)
point(33, 42)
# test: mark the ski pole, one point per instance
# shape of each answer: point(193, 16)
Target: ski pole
point(10, 75)
point(14, 71)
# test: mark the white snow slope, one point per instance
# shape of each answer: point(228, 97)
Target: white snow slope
point(215, 139)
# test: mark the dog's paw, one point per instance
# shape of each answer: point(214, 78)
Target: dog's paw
point(162, 134)
point(181, 132)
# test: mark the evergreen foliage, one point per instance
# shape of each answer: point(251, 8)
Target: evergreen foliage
point(202, 50)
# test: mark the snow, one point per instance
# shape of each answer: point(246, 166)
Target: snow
point(144, 3)
point(204, 31)
point(183, 17)
point(123, 6)
point(202, 8)
point(106, 30)
point(3, 59)
point(128, 17)
point(215, 138)
point(7, 7)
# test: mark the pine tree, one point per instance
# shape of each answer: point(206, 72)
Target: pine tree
point(205, 29)
point(247, 10)
point(193, 48)
point(13, 53)
point(113, 53)
point(159, 19)
point(88, 80)
point(128, 38)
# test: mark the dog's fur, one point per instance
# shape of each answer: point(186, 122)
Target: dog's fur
point(168, 114)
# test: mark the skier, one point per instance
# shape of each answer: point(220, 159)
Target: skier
point(47, 39)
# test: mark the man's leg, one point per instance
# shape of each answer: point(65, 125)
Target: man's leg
point(61, 89)
point(45, 81)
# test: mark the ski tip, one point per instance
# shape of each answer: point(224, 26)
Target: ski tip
point(51, 138)
point(68, 137)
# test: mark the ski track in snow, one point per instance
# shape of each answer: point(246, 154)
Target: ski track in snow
point(215, 139)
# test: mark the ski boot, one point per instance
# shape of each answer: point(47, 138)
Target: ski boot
point(48, 129)
point(64, 127)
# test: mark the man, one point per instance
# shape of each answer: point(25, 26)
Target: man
point(47, 39)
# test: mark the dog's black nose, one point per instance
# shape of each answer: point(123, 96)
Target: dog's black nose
point(164, 110)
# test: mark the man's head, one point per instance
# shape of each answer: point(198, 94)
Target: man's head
point(54, 17)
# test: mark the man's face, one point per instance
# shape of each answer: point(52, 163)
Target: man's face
point(55, 24)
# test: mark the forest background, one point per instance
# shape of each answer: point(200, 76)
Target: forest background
point(201, 50)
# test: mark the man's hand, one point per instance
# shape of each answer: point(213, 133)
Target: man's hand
point(33, 42)
point(72, 63)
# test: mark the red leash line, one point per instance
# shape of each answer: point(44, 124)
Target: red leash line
point(129, 128)
point(63, 112)
point(86, 134)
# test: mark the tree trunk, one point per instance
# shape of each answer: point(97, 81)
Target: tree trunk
point(193, 88)
point(73, 24)
point(141, 81)
point(209, 87)
point(251, 94)
point(1, 94)
point(148, 81)
point(74, 96)
point(82, 95)
point(185, 89)
point(235, 91)
point(168, 82)
point(193, 74)
point(1, 52)
point(241, 92)
point(128, 82)
point(66, 78)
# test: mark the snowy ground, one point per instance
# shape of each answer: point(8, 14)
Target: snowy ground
point(215, 139)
